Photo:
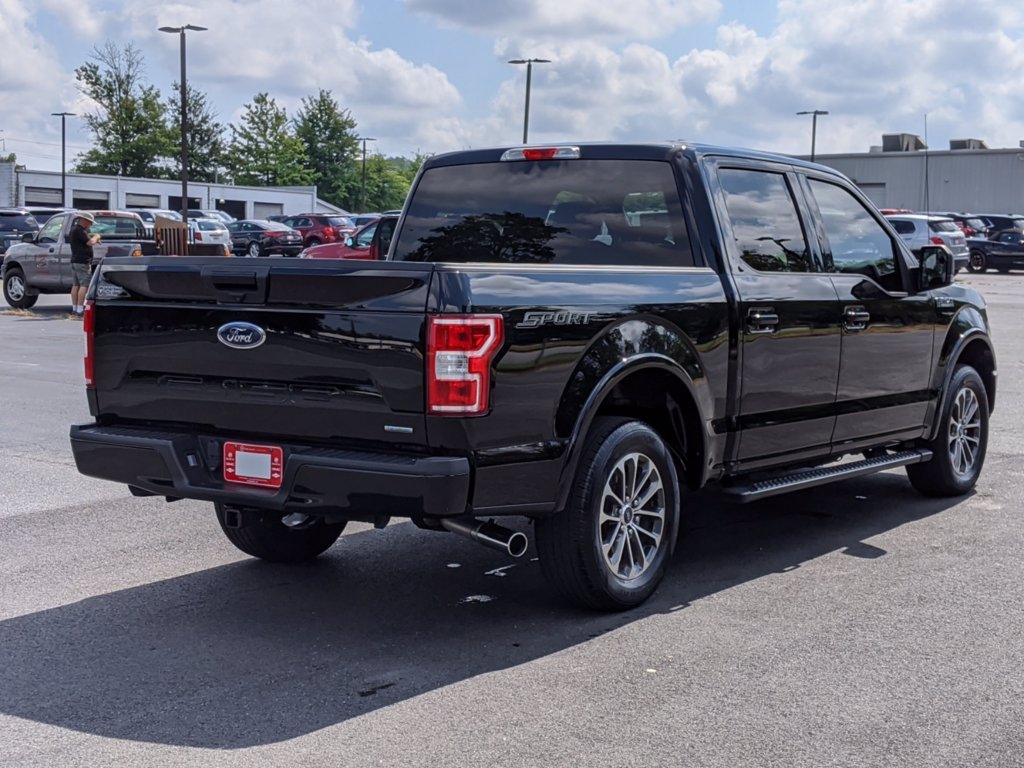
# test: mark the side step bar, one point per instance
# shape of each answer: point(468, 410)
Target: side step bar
point(762, 489)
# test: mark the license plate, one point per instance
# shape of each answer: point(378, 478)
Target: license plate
point(250, 464)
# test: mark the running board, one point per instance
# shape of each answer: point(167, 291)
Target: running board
point(822, 475)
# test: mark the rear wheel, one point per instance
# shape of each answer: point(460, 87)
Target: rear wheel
point(313, 241)
point(267, 538)
point(611, 546)
point(958, 450)
point(977, 262)
point(16, 292)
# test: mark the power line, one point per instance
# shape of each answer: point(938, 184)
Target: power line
point(47, 143)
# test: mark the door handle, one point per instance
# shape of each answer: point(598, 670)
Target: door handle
point(856, 318)
point(762, 320)
point(945, 305)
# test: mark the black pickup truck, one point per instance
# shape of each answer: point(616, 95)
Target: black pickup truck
point(575, 334)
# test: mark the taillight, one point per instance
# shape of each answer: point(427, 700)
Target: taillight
point(328, 233)
point(937, 241)
point(541, 153)
point(89, 326)
point(460, 349)
point(199, 237)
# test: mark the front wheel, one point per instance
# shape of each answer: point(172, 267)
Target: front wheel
point(977, 262)
point(16, 292)
point(253, 250)
point(611, 546)
point(958, 450)
point(267, 538)
point(312, 241)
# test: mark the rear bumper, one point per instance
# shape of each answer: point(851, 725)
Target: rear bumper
point(360, 484)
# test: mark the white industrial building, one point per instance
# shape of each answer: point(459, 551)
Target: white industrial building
point(903, 173)
point(94, 192)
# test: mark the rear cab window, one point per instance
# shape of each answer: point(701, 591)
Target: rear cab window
point(577, 211)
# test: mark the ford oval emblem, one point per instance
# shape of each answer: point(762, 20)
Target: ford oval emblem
point(239, 335)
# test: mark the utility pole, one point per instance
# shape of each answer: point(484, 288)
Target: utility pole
point(63, 156)
point(529, 74)
point(814, 125)
point(362, 188)
point(180, 31)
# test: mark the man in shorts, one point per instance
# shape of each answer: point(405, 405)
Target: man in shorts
point(81, 260)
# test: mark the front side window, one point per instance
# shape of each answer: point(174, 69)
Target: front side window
point(856, 241)
point(51, 230)
point(613, 212)
point(764, 220)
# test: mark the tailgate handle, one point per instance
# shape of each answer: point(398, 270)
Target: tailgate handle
point(237, 286)
point(234, 280)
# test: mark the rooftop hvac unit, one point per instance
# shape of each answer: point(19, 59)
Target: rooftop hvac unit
point(967, 144)
point(902, 142)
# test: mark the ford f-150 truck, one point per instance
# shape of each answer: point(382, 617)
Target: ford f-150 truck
point(575, 334)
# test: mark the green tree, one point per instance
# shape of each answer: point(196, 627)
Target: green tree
point(387, 181)
point(328, 133)
point(206, 145)
point(129, 130)
point(264, 151)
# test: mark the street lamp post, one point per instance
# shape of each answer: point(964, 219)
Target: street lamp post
point(184, 115)
point(814, 125)
point(63, 155)
point(529, 73)
point(362, 188)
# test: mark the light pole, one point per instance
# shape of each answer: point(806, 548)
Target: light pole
point(184, 115)
point(362, 188)
point(814, 125)
point(529, 73)
point(63, 154)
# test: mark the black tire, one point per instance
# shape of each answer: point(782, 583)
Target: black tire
point(977, 262)
point(267, 538)
point(253, 250)
point(312, 241)
point(16, 293)
point(571, 543)
point(960, 445)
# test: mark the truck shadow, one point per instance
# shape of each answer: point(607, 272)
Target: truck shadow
point(250, 654)
point(47, 312)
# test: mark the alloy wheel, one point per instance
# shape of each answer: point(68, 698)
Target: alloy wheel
point(964, 432)
point(632, 516)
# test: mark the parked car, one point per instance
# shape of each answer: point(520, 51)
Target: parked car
point(210, 213)
point(209, 231)
point(970, 225)
point(44, 213)
point(361, 219)
point(317, 228)
point(14, 224)
point(259, 237)
point(148, 216)
point(919, 229)
point(1003, 251)
point(370, 241)
point(1002, 221)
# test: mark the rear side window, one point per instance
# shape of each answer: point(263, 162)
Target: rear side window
point(18, 222)
point(902, 226)
point(764, 220)
point(610, 212)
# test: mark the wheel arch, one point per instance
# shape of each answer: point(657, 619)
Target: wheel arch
point(653, 388)
point(966, 343)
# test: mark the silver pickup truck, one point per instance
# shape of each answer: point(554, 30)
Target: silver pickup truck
point(42, 263)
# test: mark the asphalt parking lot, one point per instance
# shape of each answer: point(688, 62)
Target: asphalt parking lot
point(857, 624)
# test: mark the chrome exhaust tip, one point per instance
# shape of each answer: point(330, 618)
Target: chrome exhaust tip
point(490, 534)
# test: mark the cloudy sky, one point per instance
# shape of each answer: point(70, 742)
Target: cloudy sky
point(430, 75)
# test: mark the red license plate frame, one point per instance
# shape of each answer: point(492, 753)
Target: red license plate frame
point(253, 464)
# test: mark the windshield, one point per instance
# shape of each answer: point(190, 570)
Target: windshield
point(624, 212)
point(944, 225)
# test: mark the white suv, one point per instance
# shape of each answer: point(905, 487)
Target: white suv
point(918, 230)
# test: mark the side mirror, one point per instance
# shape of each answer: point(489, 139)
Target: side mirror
point(937, 266)
point(348, 241)
point(28, 237)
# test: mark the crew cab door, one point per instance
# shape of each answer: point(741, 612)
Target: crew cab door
point(44, 266)
point(788, 315)
point(887, 330)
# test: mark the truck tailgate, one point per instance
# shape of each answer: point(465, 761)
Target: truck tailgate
point(277, 348)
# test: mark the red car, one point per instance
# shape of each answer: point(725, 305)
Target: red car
point(317, 228)
point(369, 242)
